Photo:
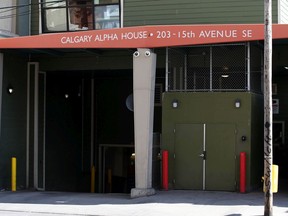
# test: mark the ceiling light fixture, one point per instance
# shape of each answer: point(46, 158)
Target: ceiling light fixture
point(10, 89)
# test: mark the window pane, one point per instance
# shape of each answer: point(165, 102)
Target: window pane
point(80, 18)
point(107, 17)
point(80, 15)
point(54, 3)
point(106, 1)
point(80, 2)
point(55, 20)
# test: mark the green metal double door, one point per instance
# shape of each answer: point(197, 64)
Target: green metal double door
point(205, 157)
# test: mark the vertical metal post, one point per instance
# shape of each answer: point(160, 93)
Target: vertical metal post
point(100, 173)
point(268, 121)
point(93, 179)
point(92, 125)
point(103, 169)
point(181, 78)
point(28, 126)
point(211, 70)
point(167, 70)
point(82, 124)
point(174, 78)
point(248, 67)
point(92, 139)
point(36, 100)
point(44, 134)
point(185, 72)
point(122, 13)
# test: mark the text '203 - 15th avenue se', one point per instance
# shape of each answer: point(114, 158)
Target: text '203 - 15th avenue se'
point(165, 34)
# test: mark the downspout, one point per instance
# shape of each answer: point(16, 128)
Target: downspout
point(29, 17)
point(122, 13)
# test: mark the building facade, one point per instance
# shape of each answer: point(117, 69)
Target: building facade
point(101, 88)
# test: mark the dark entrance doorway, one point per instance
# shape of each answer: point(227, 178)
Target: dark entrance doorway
point(84, 109)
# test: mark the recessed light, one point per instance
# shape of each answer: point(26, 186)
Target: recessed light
point(225, 68)
point(286, 67)
point(225, 75)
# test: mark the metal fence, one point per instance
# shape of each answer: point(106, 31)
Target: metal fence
point(232, 67)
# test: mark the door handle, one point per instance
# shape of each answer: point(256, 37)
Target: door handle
point(203, 155)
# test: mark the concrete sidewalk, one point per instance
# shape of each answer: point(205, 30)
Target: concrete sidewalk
point(166, 203)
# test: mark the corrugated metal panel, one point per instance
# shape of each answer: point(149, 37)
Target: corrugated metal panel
point(157, 12)
point(283, 11)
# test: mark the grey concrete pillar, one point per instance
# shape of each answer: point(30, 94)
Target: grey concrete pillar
point(144, 70)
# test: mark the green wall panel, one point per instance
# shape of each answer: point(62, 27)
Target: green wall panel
point(215, 108)
point(151, 12)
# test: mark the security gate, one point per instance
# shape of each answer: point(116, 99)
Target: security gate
point(205, 156)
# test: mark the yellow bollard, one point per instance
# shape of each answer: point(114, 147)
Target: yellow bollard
point(13, 173)
point(274, 183)
point(93, 179)
point(275, 170)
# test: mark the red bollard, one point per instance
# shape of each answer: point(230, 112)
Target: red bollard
point(165, 170)
point(242, 172)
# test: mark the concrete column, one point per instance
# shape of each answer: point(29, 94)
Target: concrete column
point(144, 70)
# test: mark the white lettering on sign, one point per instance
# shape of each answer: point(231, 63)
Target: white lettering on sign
point(218, 34)
point(186, 34)
point(247, 33)
point(134, 35)
point(163, 34)
point(76, 39)
point(106, 37)
point(157, 35)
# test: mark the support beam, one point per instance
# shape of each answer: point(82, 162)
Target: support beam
point(144, 70)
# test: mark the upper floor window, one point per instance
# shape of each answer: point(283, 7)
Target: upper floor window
point(75, 15)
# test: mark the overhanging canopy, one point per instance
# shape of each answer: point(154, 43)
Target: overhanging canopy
point(147, 36)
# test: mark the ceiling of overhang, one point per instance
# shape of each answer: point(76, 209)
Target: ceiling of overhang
point(280, 60)
point(55, 52)
point(58, 52)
